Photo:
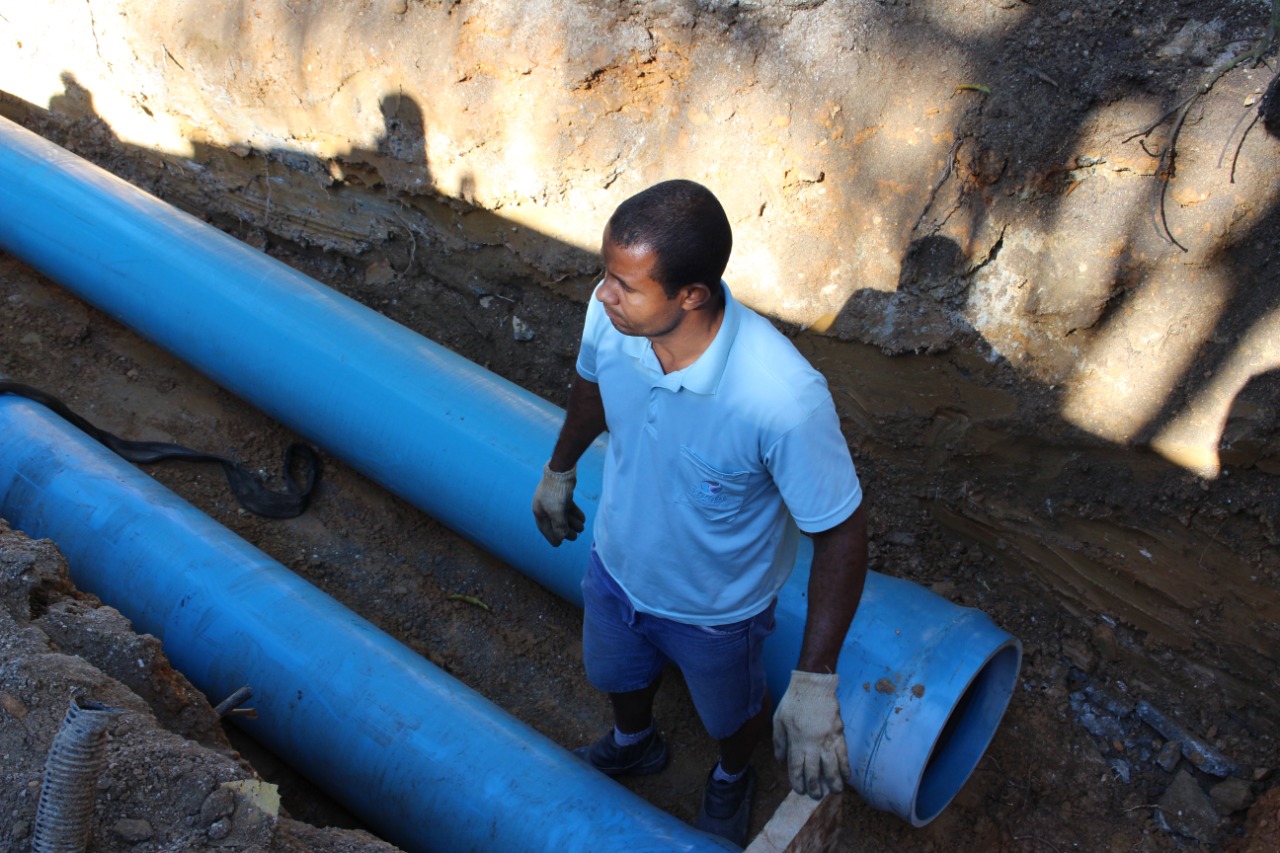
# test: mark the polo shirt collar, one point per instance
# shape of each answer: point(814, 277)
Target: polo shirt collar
point(703, 376)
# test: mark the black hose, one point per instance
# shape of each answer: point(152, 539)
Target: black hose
point(247, 487)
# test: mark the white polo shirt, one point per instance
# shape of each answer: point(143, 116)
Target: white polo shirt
point(708, 466)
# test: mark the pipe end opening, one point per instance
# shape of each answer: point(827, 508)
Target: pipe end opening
point(967, 733)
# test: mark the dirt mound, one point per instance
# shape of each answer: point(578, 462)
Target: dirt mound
point(170, 779)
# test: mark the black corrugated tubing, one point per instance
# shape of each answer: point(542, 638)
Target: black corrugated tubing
point(64, 817)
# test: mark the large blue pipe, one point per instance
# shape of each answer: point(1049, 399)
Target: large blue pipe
point(924, 683)
point(428, 761)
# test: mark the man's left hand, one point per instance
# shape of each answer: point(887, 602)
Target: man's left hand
point(808, 735)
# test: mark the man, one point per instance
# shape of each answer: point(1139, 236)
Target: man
point(723, 440)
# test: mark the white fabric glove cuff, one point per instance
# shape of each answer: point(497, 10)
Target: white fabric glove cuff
point(570, 476)
point(557, 486)
point(809, 686)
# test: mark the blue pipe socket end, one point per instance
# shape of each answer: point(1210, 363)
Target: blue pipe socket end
point(924, 683)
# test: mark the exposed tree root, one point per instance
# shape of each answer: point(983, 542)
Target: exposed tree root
point(1167, 166)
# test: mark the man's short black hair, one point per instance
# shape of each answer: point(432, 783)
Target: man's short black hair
point(683, 223)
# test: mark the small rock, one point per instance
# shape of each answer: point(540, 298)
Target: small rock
point(944, 589)
point(12, 706)
point(220, 829)
point(74, 333)
point(1080, 654)
point(378, 273)
point(1195, 41)
point(190, 800)
point(133, 830)
point(1231, 796)
point(1187, 810)
point(523, 331)
point(1104, 641)
point(216, 806)
point(898, 537)
point(1096, 721)
point(1169, 755)
point(1208, 758)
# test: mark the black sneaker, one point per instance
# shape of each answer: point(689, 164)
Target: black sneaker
point(726, 807)
point(640, 759)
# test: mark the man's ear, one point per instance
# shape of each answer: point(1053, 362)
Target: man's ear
point(694, 296)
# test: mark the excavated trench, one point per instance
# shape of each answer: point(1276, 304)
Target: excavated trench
point(1025, 367)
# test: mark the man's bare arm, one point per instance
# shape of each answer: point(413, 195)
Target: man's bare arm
point(808, 732)
point(584, 420)
point(836, 580)
point(557, 516)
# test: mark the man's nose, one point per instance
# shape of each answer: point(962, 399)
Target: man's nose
point(607, 293)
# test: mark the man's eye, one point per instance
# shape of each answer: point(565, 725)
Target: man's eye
point(605, 278)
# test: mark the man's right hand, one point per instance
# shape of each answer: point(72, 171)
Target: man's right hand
point(558, 517)
point(808, 735)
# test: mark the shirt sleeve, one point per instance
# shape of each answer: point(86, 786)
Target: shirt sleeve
point(811, 465)
point(591, 331)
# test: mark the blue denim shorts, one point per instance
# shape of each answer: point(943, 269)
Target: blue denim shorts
point(625, 650)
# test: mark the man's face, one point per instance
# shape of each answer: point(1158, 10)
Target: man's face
point(635, 303)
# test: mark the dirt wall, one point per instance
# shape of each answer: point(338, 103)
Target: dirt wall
point(1056, 333)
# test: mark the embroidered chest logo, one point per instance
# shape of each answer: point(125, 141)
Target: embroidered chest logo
point(708, 493)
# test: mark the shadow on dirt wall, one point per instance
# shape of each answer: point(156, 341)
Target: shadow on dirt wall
point(1021, 457)
point(1046, 79)
point(1045, 86)
point(1034, 116)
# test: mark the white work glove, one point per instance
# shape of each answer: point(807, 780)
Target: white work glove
point(557, 515)
point(809, 735)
